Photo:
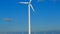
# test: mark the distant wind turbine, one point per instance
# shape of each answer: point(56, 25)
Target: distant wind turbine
point(29, 6)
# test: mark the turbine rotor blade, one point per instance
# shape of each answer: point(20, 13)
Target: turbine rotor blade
point(30, 0)
point(23, 2)
point(32, 8)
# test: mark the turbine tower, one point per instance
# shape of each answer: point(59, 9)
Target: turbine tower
point(29, 6)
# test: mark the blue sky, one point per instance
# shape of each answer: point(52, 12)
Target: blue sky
point(47, 17)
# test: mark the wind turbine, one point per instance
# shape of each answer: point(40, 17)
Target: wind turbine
point(29, 6)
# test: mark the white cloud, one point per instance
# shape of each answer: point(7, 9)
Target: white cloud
point(40, 0)
point(7, 19)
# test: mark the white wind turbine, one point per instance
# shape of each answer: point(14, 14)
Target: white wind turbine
point(29, 6)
